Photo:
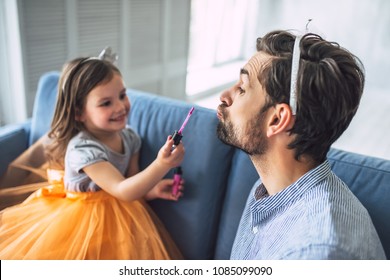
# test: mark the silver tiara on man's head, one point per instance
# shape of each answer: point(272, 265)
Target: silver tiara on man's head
point(294, 70)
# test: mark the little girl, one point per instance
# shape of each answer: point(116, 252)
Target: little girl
point(96, 208)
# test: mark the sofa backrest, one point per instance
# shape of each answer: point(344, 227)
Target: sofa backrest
point(369, 179)
point(242, 177)
point(193, 220)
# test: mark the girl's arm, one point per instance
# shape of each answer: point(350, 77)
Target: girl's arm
point(107, 177)
point(133, 165)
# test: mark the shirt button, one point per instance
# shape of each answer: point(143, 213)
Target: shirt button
point(255, 230)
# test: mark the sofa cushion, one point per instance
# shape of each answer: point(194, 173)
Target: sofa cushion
point(369, 179)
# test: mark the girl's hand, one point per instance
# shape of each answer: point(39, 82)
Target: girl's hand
point(168, 157)
point(163, 190)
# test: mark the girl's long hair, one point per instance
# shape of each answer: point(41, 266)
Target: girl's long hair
point(78, 78)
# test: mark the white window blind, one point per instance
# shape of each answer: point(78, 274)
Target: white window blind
point(150, 37)
point(99, 25)
point(43, 39)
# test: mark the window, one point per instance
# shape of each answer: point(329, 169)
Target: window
point(220, 33)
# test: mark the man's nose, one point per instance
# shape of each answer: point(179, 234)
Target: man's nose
point(227, 96)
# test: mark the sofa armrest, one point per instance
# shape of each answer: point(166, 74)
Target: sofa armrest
point(13, 142)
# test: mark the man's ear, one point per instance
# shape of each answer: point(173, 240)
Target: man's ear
point(280, 119)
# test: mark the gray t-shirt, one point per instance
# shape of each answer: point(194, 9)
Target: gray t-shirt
point(84, 150)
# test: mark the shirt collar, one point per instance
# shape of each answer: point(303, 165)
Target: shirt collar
point(263, 205)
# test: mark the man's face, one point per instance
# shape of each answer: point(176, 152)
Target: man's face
point(241, 114)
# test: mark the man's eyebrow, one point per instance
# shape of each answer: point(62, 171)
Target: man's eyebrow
point(244, 72)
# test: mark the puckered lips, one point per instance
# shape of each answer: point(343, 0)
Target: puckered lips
point(220, 114)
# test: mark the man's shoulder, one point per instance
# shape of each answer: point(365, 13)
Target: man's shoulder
point(334, 194)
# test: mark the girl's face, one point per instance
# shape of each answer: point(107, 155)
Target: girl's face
point(106, 108)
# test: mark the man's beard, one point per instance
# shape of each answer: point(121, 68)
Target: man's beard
point(252, 139)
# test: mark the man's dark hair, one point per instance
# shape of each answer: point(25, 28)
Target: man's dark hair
point(329, 87)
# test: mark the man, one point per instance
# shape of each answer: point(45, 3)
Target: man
point(294, 98)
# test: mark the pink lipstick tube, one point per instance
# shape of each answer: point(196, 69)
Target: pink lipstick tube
point(176, 180)
point(177, 135)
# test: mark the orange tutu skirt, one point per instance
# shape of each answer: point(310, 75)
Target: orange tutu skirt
point(54, 224)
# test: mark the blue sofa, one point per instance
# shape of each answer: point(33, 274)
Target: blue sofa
point(218, 177)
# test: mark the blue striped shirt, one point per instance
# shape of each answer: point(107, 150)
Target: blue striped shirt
point(317, 217)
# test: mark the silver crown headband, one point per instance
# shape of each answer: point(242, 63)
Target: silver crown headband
point(295, 69)
point(106, 54)
point(294, 75)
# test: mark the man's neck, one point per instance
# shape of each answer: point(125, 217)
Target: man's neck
point(278, 170)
